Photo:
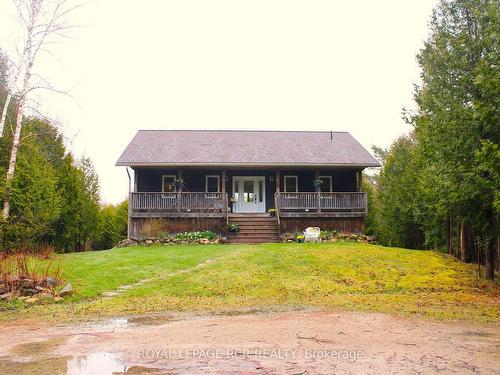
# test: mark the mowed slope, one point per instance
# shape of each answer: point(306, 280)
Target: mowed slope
point(337, 275)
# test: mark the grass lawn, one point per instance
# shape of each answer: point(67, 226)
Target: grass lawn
point(339, 275)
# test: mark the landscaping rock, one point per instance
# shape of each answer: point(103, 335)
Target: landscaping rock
point(45, 297)
point(66, 291)
point(39, 288)
point(5, 296)
point(27, 283)
point(58, 299)
point(29, 292)
point(31, 300)
point(51, 281)
point(126, 242)
point(110, 294)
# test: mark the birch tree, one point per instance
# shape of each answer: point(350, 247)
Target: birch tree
point(41, 22)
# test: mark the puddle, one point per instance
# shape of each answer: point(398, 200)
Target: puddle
point(94, 363)
point(123, 322)
point(149, 320)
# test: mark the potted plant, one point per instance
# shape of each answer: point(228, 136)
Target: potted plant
point(231, 227)
point(317, 184)
point(300, 238)
point(272, 212)
point(233, 200)
point(179, 183)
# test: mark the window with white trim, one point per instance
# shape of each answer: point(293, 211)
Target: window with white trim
point(168, 184)
point(291, 184)
point(212, 184)
point(326, 186)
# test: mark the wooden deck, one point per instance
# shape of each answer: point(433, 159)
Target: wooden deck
point(199, 204)
point(313, 204)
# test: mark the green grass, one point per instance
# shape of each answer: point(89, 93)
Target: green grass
point(337, 275)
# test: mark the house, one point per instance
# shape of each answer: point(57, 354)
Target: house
point(267, 182)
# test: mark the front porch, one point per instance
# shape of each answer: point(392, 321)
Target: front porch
point(202, 204)
point(208, 192)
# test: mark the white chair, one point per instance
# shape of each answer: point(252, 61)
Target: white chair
point(312, 234)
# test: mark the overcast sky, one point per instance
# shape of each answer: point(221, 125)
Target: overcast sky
point(284, 65)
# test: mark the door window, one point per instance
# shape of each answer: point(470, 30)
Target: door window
point(248, 191)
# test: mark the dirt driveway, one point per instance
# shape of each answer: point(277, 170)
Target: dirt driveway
point(295, 342)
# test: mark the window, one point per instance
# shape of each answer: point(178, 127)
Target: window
point(168, 184)
point(326, 187)
point(212, 184)
point(291, 184)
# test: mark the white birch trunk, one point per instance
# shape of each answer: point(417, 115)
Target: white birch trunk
point(4, 112)
point(12, 163)
point(39, 24)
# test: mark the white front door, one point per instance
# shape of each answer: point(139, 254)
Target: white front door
point(249, 194)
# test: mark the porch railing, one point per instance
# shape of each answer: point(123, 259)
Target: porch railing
point(347, 201)
point(185, 202)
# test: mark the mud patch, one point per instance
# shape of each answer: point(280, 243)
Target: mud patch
point(37, 348)
point(44, 366)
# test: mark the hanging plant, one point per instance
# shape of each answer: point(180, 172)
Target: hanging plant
point(318, 183)
point(179, 183)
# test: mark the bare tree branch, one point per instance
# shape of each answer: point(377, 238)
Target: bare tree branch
point(40, 19)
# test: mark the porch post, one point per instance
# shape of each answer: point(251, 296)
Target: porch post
point(178, 200)
point(223, 182)
point(224, 195)
point(360, 181)
point(277, 178)
point(318, 190)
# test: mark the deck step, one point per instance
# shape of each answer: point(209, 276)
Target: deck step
point(246, 235)
point(253, 240)
point(256, 218)
point(262, 231)
point(250, 215)
point(254, 228)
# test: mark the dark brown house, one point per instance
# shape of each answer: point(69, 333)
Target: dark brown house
point(266, 181)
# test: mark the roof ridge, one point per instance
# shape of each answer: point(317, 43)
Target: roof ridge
point(243, 130)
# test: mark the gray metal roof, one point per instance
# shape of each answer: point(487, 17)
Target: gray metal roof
point(245, 148)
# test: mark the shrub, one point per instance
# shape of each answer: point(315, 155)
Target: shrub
point(192, 236)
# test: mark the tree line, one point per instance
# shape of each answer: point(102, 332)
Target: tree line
point(439, 186)
point(54, 197)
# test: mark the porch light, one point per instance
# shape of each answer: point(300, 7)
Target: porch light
point(271, 178)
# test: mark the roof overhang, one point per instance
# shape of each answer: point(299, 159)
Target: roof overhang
point(248, 165)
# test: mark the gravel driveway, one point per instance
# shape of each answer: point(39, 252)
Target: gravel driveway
point(297, 342)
